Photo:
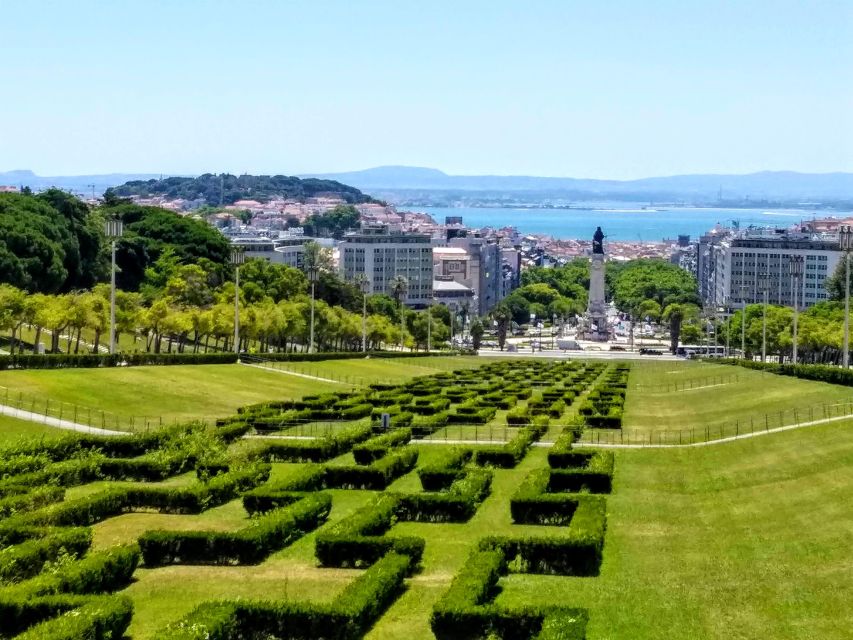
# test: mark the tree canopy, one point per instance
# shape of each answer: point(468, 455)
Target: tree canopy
point(226, 189)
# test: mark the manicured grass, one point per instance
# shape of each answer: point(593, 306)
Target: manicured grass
point(753, 400)
point(361, 372)
point(13, 430)
point(749, 539)
point(171, 392)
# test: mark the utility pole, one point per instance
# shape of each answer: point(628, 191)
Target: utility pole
point(797, 266)
point(764, 285)
point(845, 238)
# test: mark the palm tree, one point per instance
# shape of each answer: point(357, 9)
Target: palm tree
point(676, 313)
point(398, 286)
point(502, 316)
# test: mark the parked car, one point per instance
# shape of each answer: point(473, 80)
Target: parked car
point(617, 347)
point(645, 351)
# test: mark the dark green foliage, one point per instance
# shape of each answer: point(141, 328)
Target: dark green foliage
point(347, 617)
point(317, 450)
point(457, 504)
point(251, 545)
point(227, 189)
point(466, 612)
point(817, 372)
point(23, 502)
point(510, 454)
point(376, 476)
point(25, 560)
point(375, 448)
point(103, 618)
point(441, 473)
point(358, 540)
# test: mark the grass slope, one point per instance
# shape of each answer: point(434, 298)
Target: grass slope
point(749, 539)
point(12, 430)
point(650, 406)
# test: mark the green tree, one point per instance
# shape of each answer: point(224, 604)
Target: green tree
point(477, 331)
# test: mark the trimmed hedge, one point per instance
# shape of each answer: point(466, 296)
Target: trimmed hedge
point(25, 560)
point(251, 545)
point(466, 612)
point(440, 474)
point(359, 540)
point(23, 502)
point(375, 448)
point(317, 450)
point(78, 361)
point(347, 617)
point(458, 504)
point(511, 453)
point(95, 573)
point(104, 618)
point(818, 372)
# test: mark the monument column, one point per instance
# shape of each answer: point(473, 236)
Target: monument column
point(596, 312)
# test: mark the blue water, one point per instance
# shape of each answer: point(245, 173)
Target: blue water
point(622, 221)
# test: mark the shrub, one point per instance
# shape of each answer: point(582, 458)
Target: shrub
point(25, 560)
point(104, 618)
point(19, 503)
point(251, 545)
point(443, 471)
point(375, 448)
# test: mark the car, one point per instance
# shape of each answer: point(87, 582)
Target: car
point(617, 347)
point(645, 351)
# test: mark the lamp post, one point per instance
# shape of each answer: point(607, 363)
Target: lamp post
point(113, 229)
point(845, 239)
point(238, 257)
point(553, 330)
point(764, 286)
point(312, 278)
point(796, 265)
point(403, 287)
point(728, 328)
point(743, 289)
point(429, 326)
point(363, 284)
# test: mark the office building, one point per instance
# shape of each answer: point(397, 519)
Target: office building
point(730, 266)
point(382, 252)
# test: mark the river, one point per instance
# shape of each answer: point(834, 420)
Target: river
point(623, 221)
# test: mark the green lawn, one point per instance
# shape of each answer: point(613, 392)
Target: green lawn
point(724, 400)
point(749, 539)
point(12, 430)
point(170, 392)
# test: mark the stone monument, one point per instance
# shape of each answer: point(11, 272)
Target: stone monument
point(595, 318)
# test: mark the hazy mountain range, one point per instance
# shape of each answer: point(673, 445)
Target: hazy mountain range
point(787, 186)
point(764, 185)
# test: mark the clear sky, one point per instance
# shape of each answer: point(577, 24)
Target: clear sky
point(599, 89)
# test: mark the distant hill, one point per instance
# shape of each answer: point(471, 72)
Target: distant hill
point(227, 189)
point(786, 185)
point(77, 184)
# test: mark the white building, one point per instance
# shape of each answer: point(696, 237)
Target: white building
point(382, 252)
point(730, 266)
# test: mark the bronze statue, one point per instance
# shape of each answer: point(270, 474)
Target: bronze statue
point(598, 241)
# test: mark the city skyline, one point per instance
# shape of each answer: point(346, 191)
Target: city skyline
point(557, 89)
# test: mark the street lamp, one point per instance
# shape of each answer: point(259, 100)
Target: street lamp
point(729, 313)
point(403, 287)
point(113, 229)
point(312, 278)
point(238, 257)
point(845, 240)
point(743, 289)
point(429, 326)
point(796, 266)
point(363, 284)
point(764, 287)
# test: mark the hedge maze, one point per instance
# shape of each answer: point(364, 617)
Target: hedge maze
point(55, 584)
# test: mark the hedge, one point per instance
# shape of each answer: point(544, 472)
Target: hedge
point(376, 476)
point(375, 448)
point(95, 573)
point(35, 499)
point(457, 504)
point(251, 545)
point(317, 450)
point(105, 618)
point(358, 540)
point(818, 372)
point(347, 617)
point(447, 467)
point(511, 453)
point(21, 561)
point(465, 611)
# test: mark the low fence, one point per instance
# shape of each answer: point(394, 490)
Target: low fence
point(687, 385)
point(709, 433)
point(42, 408)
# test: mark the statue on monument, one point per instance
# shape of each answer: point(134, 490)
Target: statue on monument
point(598, 241)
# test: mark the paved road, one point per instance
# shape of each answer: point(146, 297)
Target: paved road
point(49, 421)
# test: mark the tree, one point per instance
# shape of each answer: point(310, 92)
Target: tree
point(277, 281)
point(502, 316)
point(398, 286)
point(334, 222)
point(477, 331)
point(13, 304)
point(676, 313)
point(657, 280)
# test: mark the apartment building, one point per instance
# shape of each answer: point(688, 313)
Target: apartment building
point(730, 266)
point(382, 252)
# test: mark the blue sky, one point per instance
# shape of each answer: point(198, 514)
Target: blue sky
point(610, 89)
